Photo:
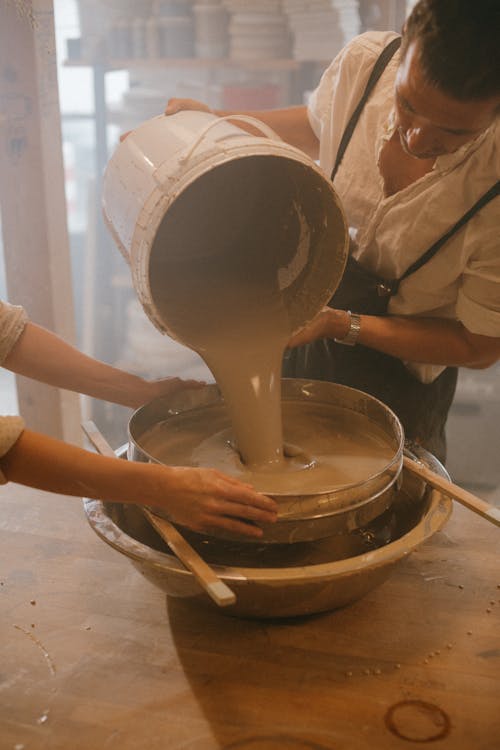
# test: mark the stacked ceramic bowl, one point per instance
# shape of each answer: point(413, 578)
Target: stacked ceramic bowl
point(174, 28)
point(257, 30)
point(211, 38)
point(320, 28)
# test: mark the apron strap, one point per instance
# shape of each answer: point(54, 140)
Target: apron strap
point(379, 67)
point(430, 253)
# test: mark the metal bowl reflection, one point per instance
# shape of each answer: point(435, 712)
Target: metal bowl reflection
point(284, 580)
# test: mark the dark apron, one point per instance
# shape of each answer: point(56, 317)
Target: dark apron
point(421, 407)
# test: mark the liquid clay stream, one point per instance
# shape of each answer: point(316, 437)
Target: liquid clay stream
point(241, 336)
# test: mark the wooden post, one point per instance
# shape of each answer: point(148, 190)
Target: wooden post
point(32, 198)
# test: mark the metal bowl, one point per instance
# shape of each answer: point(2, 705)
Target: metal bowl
point(301, 517)
point(343, 568)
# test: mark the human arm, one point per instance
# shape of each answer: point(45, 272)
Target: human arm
point(43, 356)
point(203, 499)
point(431, 340)
point(291, 123)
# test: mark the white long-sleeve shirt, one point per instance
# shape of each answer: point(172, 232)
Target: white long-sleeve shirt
point(388, 234)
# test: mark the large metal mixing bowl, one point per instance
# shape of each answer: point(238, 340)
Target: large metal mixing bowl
point(340, 570)
point(301, 517)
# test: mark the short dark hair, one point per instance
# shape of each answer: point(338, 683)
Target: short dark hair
point(459, 44)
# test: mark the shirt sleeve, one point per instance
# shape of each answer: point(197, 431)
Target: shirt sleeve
point(13, 319)
point(341, 86)
point(321, 103)
point(478, 299)
point(10, 430)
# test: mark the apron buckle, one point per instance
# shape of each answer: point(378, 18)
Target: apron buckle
point(385, 289)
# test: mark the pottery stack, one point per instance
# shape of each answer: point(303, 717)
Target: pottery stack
point(210, 19)
point(257, 30)
point(175, 28)
point(320, 28)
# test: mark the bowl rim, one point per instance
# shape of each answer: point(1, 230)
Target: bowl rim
point(437, 513)
point(292, 389)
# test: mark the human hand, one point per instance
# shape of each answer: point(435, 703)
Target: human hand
point(206, 500)
point(328, 323)
point(140, 391)
point(167, 387)
point(175, 105)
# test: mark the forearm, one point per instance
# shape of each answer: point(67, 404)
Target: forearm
point(38, 461)
point(430, 340)
point(43, 356)
point(202, 499)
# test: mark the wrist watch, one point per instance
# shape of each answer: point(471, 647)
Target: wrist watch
point(352, 335)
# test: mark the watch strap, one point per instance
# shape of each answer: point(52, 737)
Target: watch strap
point(354, 330)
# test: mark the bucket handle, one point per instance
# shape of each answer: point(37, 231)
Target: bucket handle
point(269, 132)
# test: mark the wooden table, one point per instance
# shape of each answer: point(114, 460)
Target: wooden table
point(93, 656)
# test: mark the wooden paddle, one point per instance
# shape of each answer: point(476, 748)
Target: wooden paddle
point(204, 574)
point(453, 491)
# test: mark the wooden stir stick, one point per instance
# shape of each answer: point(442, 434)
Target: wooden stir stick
point(204, 574)
point(453, 491)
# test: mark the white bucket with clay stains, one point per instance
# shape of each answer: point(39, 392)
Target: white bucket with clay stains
point(195, 191)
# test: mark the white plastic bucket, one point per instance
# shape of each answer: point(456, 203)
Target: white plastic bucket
point(197, 184)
